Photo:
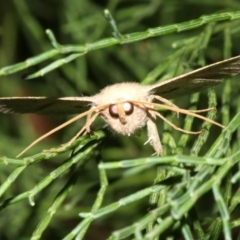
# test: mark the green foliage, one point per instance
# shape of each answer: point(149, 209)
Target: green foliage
point(104, 185)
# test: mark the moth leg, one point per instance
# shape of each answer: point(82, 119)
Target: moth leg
point(153, 136)
point(85, 128)
point(164, 100)
point(88, 119)
point(174, 126)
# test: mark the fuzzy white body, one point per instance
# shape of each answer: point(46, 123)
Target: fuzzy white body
point(140, 116)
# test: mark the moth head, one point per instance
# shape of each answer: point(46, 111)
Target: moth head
point(121, 110)
point(122, 115)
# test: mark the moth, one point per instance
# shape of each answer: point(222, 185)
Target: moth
point(129, 106)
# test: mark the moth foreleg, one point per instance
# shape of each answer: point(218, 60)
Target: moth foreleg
point(89, 116)
point(85, 128)
point(153, 136)
point(164, 100)
point(176, 127)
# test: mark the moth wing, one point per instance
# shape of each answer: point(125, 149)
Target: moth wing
point(197, 80)
point(45, 105)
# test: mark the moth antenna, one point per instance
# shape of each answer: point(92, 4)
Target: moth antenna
point(190, 113)
point(180, 110)
point(174, 126)
point(164, 100)
point(62, 126)
point(203, 110)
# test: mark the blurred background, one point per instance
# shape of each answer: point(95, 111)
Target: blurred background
point(77, 22)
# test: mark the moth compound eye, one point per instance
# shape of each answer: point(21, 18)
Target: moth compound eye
point(128, 108)
point(113, 111)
